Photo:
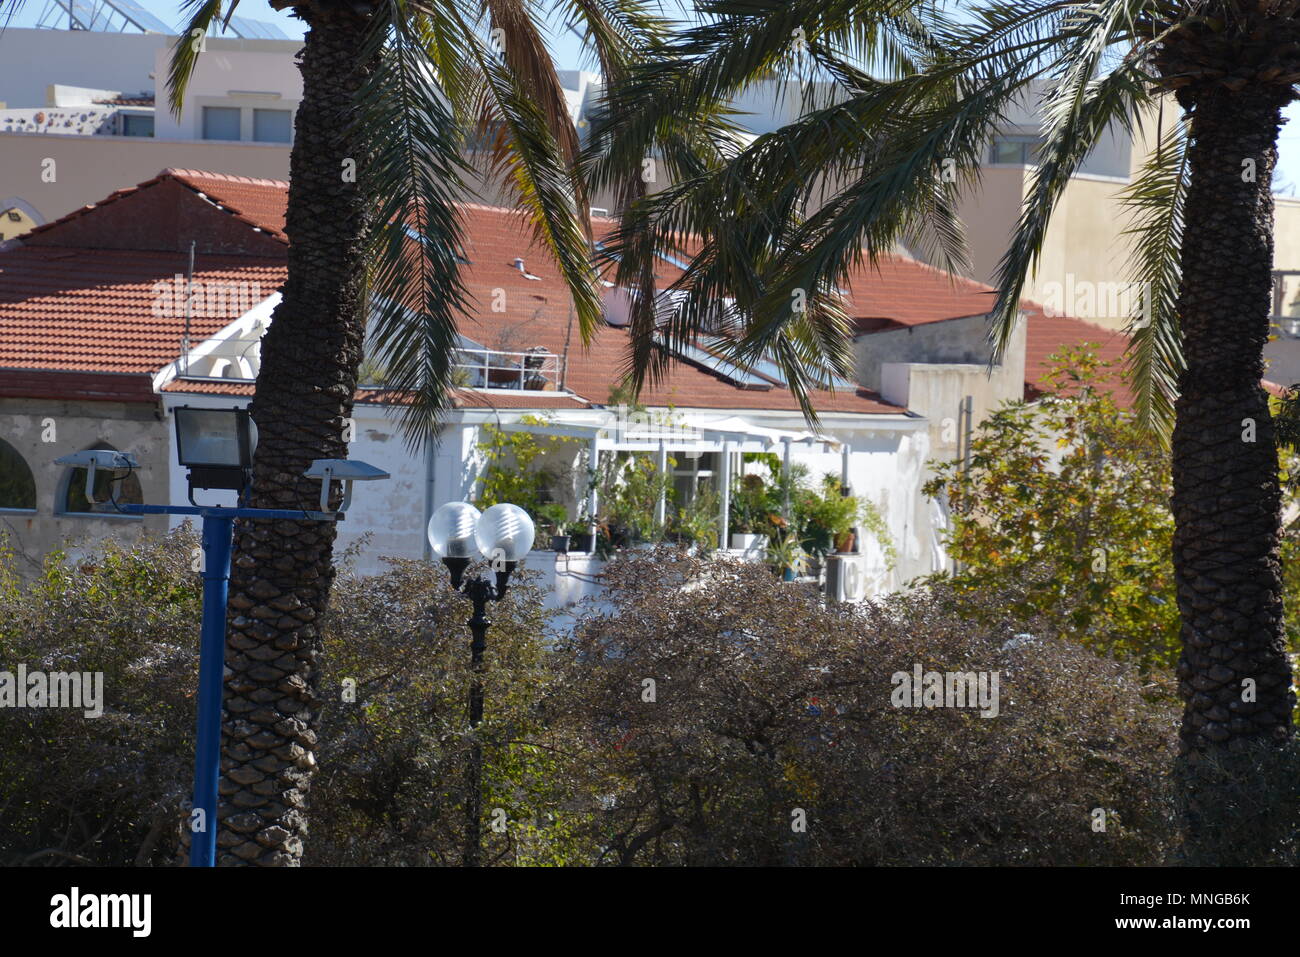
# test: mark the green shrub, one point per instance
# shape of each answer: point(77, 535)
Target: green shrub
point(698, 717)
point(108, 789)
point(768, 702)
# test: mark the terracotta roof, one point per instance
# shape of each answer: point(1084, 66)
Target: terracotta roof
point(112, 310)
point(259, 203)
point(68, 304)
point(898, 291)
point(1046, 335)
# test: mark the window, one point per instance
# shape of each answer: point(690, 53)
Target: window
point(272, 126)
point(137, 124)
point(17, 485)
point(221, 122)
point(1015, 150)
point(124, 491)
point(692, 474)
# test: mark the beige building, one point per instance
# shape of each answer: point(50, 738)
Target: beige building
point(1083, 270)
point(85, 112)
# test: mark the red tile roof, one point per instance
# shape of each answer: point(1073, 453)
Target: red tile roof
point(537, 312)
point(1046, 335)
point(113, 310)
point(108, 323)
point(899, 291)
point(257, 203)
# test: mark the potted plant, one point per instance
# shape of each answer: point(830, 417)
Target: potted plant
point(634, 502)
point(786, 556)
point(696, 526)
point(752, 510)
point(827, 518)
point(552, 517)
point(581, 538)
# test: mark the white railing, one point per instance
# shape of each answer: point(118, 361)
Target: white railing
point(533, 371)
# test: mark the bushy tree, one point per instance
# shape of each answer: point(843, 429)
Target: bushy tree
point(728, 718)
point(705, 713)
point(1065, 507)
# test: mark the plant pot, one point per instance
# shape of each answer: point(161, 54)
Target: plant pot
point(788, 575)
point(846, 543)
point(751, 545)
point(584, 542)
point(560, 543)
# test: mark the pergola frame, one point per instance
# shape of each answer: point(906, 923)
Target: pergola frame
point(693, 433)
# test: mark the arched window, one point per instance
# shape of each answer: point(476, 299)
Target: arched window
point(124, 491)
point(17, 485)
point(17, 217)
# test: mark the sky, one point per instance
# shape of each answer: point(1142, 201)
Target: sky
point(568, 53)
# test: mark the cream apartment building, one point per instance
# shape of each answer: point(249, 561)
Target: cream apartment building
point(64, 142)
point(1085, 254)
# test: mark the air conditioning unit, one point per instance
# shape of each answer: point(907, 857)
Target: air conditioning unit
point(846, 579)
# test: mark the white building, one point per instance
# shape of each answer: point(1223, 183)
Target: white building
point(521, 365)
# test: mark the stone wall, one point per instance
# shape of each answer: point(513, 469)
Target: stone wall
point(42, 431)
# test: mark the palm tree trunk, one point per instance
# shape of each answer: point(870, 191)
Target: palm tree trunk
point(281, 573)
point(1233, 674)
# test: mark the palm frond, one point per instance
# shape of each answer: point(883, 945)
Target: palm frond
point(416, 175)
point(885, 138)
point(188, 46)
point(1080, 106)
point(1155, 201)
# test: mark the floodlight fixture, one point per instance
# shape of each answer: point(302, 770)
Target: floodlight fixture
point(216, 445)
point(94, 460)
point(346, 471)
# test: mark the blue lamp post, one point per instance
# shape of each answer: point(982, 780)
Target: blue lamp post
point(216, 446)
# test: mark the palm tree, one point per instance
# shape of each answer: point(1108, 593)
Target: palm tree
point(784, 219)
point(392, 92)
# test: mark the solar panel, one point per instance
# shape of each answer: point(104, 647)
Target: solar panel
point(139, 16)
point(256, 29)
point(683, 266)
point(83, 11)
point(770, 370)
point(732, 373)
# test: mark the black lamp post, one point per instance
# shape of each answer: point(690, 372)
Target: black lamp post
point(503, 534)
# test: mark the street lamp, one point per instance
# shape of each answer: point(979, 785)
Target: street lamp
point(503, 534)
point(216, 445)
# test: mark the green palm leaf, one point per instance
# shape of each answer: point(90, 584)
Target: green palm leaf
point(1155, 199)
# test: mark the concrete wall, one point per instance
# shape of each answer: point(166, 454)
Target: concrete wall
point(1286, 237)
point(955, 341)
point(247, 74)
point(930, 370)
point(1084, 242)
point(87, 168)
point(31, 60)
point(26, 425)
